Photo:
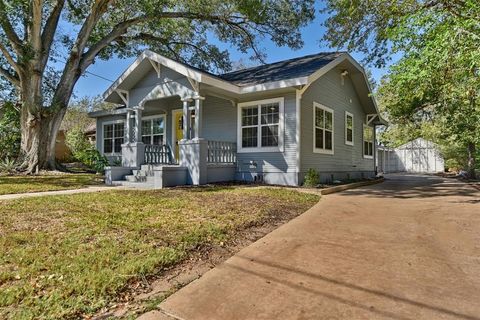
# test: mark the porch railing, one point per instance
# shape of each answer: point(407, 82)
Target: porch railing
point(158, 154)
point(222, 152)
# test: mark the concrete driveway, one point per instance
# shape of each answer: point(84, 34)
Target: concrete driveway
point(408, 248)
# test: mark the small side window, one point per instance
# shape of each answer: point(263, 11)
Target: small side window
point(349, 128)
point(367, 142)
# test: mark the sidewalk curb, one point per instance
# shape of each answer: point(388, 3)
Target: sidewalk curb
point(349, 186)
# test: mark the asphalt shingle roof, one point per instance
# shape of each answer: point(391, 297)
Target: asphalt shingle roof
point(282, 70)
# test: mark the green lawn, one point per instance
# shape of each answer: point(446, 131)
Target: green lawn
point(68, 256)
point(24, 184)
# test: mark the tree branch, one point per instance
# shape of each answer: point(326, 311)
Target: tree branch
point(122, 28)
point(13, 79)
point(36, 34)
point(71, 71)
point(8, 29)
point(117, 31)
point(9, 57)
point(49, 31)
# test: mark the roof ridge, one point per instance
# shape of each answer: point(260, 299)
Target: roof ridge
point(281, 61)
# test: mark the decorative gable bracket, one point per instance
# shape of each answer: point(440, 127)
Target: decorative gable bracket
point(124, 96)
point(194, 84)
point(371, 117)
point(155, 66)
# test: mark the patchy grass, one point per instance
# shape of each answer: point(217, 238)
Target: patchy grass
point(25, 184)
point(68, 256)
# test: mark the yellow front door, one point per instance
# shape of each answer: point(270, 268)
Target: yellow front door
point(178, 132)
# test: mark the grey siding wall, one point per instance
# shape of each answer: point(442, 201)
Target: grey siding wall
point(170, 83)
point(219, 119)
point(347, 161)
point(274, 167)
point(220, 124)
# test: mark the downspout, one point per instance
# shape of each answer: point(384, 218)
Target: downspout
point(375, 149)
point(298, 123)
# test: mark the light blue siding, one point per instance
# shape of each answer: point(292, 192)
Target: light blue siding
point(169, 84)
point(274, 167)
point(347, 161)
point(220, 124)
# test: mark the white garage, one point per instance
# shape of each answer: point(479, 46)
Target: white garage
point(419, 155)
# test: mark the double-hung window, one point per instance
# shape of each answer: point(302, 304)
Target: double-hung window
point(153, 130)
point(348, 128)
point(113, 137)
point(367, 142)
point(260, 126)
point(322, 129)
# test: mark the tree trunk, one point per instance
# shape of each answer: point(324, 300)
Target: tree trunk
point(471, 160)
point(39, 132)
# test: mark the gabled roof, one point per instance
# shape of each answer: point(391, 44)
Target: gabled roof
point(299, 73)
point(281, 70)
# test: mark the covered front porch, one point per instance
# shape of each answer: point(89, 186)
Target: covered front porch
point(174, 141)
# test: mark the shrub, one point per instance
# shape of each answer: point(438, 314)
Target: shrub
point(10, 134)
point(83, 151)
point(312, 178)
point(93, 159)
point(76, 141)
point(7, 165)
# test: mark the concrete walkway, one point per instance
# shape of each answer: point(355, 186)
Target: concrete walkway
point(408, 248)
point(56, 192)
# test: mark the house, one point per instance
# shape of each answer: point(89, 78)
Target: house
point(419, 156)
point(182, 125)
point(62, 152)
point(90, 133)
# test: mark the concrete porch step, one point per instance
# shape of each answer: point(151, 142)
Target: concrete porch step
point(150, 167)
point(137, 178)
point(142, 172)
point(136, 185)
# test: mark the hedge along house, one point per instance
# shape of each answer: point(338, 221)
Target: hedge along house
point(181, 125)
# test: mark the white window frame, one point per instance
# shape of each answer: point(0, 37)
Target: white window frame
point(365, 156)
point(348, 114)
point(157, 116)
point(258, 103)
point(323, 150)
point(106, 123)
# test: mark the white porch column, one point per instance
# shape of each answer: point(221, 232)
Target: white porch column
point(133, 152)
point(198, 116)
point(129, 127)
point(138, 124)
point(186, 118)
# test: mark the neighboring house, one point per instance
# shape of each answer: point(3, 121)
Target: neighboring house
point(419, 156)
point(62, 152)
point(271, 123)
point(91, 134)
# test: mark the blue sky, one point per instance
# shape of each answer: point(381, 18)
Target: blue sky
point(90, 85)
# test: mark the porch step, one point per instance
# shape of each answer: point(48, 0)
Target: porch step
point(149, 167)
point(136, 178)
point(142, 173)
point(139, 178)
point(136, 185)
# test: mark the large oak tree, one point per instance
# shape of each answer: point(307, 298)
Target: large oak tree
point(47, 45)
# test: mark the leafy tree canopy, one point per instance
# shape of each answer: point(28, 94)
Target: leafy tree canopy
point(433, 89)
point(47, 45)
